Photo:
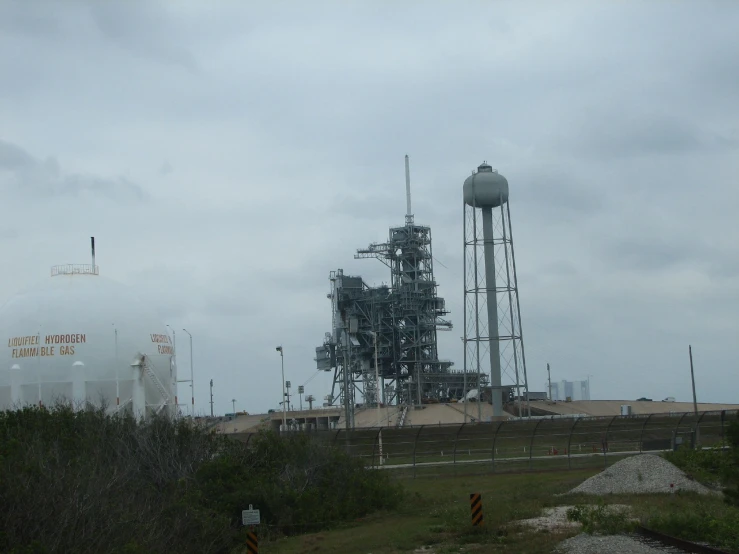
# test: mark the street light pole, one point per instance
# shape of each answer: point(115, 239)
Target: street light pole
point(233, 403)
point(192, 380)
point(211, 398)
point(284, 396)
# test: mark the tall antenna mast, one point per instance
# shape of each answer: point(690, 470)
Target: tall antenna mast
point(92, 244)
point(408, 212)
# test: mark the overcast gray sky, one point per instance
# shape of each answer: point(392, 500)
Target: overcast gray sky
point(228, 155)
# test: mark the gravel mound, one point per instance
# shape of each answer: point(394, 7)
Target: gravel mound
point(612, 544)
point(645, 473)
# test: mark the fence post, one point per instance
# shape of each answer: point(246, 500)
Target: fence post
point(677, 430)
point(641, 435)
point(605, 442)
point(495, 438)
point(697, 433)
point(374, 447)
point(531, 444)
point(569, 443)
point(454, 453)
point(415, 447)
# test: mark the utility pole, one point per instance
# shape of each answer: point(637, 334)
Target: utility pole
point(549, 374)
point(211, 398)
point(692, 378)
point(192, 376)
point(284, 396)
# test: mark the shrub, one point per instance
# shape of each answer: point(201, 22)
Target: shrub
point(601, 519)
point(713, 523)
point(82, 481)
point(714, 465)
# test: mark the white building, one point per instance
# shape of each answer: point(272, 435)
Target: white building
point(574, 390)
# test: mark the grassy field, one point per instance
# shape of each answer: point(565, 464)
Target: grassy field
point(437, 515)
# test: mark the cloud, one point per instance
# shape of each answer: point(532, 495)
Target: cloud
point(620, 134)
point(8, 233)
point(19, 170)
point(143, 32)
point(226, 160)
point(166, 168)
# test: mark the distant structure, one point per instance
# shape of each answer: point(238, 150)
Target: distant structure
point(563, 391)
point(492, 316)
point(383, 343)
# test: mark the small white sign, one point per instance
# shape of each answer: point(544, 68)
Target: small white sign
point(250, 516)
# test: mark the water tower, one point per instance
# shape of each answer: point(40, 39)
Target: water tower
point(492, 316)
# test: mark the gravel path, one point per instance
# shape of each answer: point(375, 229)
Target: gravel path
point(645, 473)
point(556, 518)
point(612, 544)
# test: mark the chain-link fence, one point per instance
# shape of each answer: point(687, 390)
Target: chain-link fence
point(540, 444)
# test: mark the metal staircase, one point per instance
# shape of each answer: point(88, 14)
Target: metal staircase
point(148, 368)
point(401, 419)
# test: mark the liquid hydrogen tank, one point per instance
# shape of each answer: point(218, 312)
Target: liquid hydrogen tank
point(78, 336)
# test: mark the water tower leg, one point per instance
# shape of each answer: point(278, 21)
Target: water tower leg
point(492, 304)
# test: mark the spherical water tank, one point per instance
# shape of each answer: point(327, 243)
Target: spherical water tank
point(485, 189)
point(79, 336)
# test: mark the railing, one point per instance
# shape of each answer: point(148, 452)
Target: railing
point(526, 445)
point(75, 269)
point(147, 367)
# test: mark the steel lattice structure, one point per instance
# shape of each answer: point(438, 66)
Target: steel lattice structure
point(401, 321)
point(492, 318)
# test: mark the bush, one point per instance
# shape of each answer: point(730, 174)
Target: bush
point(712, 523)
point(84, 482)
point(602, 519)
point(714, 465)
point(708, 465)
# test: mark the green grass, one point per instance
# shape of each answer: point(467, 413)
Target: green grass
point(437, 512)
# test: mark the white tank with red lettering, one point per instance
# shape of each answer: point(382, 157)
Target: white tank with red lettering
point(80, 337)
